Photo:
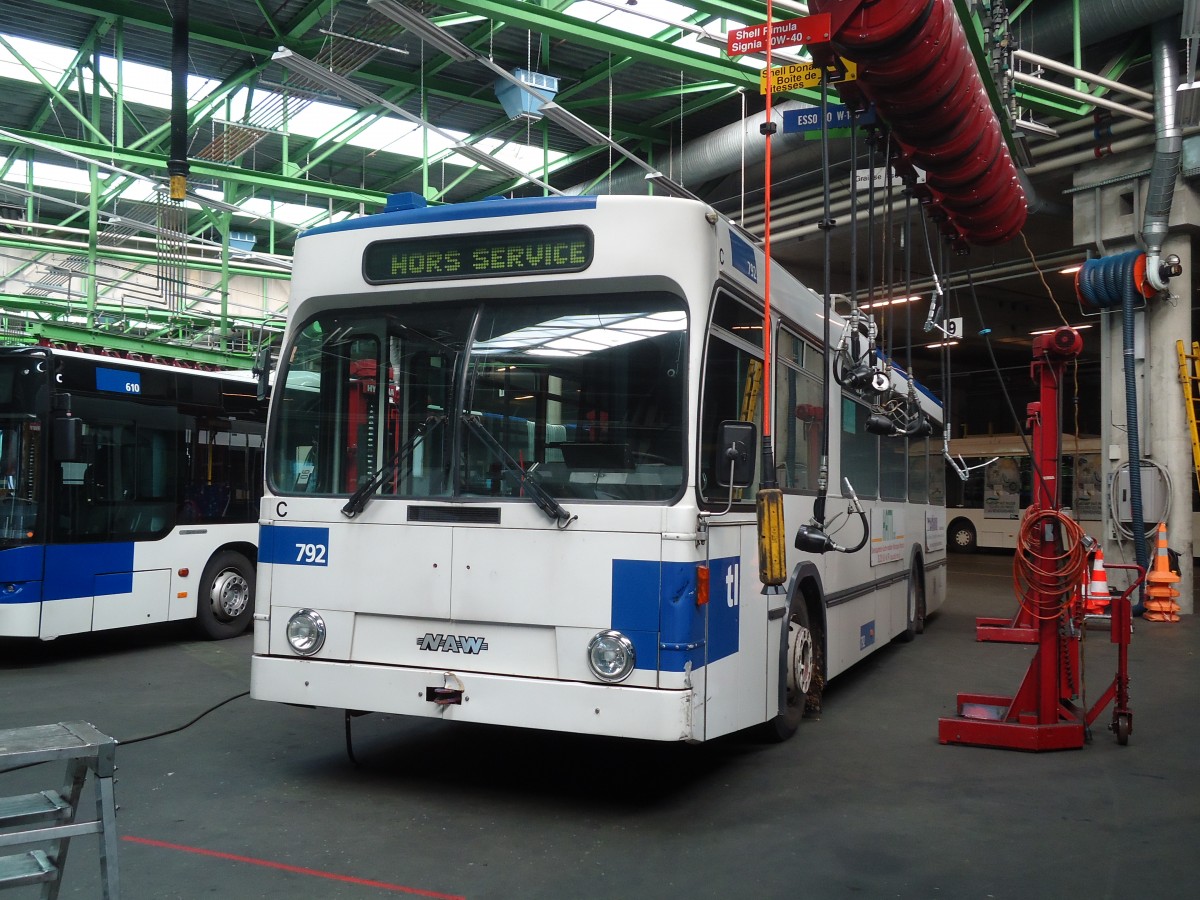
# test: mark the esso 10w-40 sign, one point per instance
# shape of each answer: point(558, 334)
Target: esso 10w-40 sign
point(786, 33)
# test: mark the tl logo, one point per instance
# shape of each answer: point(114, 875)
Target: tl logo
point(732, 580)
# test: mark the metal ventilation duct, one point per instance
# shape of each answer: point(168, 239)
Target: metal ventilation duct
point(1050, 30)
point(712, 156)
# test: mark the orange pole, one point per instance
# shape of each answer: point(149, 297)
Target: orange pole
point(769, 127)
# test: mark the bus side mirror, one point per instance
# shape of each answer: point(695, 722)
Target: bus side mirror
point(262, 368)
point(736, 442)
point(68, 438)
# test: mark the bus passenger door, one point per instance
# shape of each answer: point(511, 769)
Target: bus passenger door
point(736, 632)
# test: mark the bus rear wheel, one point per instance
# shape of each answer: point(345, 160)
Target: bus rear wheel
point(915, 604)
point(962, 536)
point(226, 602)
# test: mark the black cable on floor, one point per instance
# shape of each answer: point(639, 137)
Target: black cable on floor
point(158, 734)
point(145, 737)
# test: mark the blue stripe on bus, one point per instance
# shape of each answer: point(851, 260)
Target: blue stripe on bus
point(293, 545)
point(654, 605)
point(742, 256)
point(453, 212)
point(72, 570)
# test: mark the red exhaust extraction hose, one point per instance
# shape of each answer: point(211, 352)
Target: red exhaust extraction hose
point(915, 65)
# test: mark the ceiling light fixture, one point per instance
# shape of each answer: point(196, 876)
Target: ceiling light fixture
point(424, 29)
point(1054, 329)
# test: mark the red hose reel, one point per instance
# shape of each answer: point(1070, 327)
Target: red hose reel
point(915, 65)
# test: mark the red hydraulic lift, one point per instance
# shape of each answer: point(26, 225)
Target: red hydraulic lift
point(1050, 564)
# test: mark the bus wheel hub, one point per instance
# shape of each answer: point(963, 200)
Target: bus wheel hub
point(229, 595)
point(800, 658)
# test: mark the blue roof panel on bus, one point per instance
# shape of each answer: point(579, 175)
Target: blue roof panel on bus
point(451, 212)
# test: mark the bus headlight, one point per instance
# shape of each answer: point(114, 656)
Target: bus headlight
point(306, 632)
point(610, 655)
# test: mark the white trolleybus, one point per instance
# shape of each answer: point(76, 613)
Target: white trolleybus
point(128, 494)
point(986, 509)
point(499, 459)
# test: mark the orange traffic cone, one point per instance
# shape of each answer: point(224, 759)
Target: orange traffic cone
point(1160, 595)
point(1097, 597)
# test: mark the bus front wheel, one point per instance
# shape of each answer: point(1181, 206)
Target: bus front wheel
point(802, 671)
point(226, 602)
point(962, 536)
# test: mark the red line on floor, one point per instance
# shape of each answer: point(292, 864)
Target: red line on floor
point(299, 870)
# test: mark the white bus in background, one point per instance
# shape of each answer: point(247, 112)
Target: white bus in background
point(986, 509)
point(497, 477)
point(129, 493)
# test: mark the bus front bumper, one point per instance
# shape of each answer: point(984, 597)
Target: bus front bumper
point(633, 712)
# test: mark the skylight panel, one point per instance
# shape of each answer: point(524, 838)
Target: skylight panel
point(646, 18)
point(48, 175)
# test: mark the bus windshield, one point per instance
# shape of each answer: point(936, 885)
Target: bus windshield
point(20, 447)
point(585, 394)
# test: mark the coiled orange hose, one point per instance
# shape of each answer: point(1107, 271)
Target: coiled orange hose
point(1046, 582)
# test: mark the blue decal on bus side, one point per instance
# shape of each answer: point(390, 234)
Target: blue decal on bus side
point(293, 545)
point(21, 563)
point(450, 212)
point(71, 570)
point(118, 381)
point(635, 590)
point(654, 605)
point(866, 635)
point(742, 256)
point(724, 606)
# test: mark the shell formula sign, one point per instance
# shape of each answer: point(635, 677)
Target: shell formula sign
point(786, 33)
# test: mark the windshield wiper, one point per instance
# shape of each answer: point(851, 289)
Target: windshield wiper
point(510, 467)
point(359, 499)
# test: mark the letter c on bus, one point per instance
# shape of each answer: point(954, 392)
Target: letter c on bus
point(281, 509)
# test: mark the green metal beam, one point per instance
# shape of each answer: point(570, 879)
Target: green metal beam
point(73, 335)
point(201, 168)
point(974, 31)
point(53, 91)
point(108, 253)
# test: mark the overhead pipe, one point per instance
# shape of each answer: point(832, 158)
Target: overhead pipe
point(1097, 80)
point(1052, 28)
point(915, 65)
point(1081, 96)
point(711, 156)
point(1168, 147)
point(807, 203)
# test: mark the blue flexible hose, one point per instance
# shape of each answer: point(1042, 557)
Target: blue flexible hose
point(1105, 284)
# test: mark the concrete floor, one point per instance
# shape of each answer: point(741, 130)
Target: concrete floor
point(260, 801)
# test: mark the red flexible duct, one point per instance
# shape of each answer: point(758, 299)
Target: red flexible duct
point(915, 65)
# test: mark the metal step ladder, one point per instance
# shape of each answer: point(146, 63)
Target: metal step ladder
point(1189, 376)
point(51, 818)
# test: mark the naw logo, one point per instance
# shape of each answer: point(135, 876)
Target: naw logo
point(452, 643)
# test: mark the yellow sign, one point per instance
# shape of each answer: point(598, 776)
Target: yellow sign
point(799, 75)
